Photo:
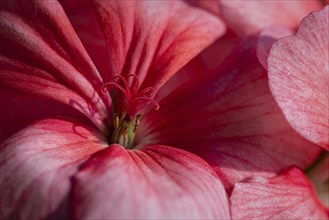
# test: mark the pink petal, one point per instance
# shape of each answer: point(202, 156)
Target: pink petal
point(157, 182)
point(154, 39)
point(287, 196)
point(250, 17)
point(299, 77)
point(42, 47)
point(36, 166)
point(230, 119)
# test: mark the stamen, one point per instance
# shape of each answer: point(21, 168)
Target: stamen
point(116, 120)
point(147, 91)
point(137, 121)
point(134, 83)
point(115, 85)
point(124, 82)
point(152, 101)
point(125, 119)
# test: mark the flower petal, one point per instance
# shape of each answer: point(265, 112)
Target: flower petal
point(249, 17)
point(266, 39)
point(18, 111)
point(157, 182)
point(36, 166)
point(83, 19)
point(287, 196)
point(154, 39)
point(299, 77)
point(230, 119)
point(42, 47)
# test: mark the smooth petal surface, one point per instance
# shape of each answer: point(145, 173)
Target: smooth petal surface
point(43, 55)
point(36, 165)
point(249, 17)
point(299, 77)
point(157, 182)
point(267, 37)
point(153, 39)
point(287, 196)
point(18, 111)
point(231, 120)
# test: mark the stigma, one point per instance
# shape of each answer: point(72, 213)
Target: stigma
point(129, 104)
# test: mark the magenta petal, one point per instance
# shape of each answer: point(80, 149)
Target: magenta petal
point(157, 182)
point(299, 77)
point(249, 17)
point(18, 111)
point(287, 196)
point(153, 39)
point(36, 166)
point(42, 54)
point(231, 120)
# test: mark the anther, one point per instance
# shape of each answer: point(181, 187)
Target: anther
point(116, 120)
point(137, 121)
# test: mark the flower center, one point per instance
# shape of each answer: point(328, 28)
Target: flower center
point(128, 104)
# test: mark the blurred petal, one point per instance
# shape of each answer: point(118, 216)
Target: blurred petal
point(266, 39)
point(36, 166)
point(154, 39)
point(43, 55)
point(318, 173)
point(249, 17)
point(287, 196)
point(157, 182)
point(299, 77)
point(231, 120)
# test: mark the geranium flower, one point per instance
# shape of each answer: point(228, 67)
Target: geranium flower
point(111, 154)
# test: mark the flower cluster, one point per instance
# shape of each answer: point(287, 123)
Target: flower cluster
point(138, 109)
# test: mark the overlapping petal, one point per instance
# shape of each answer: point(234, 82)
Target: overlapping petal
point(299, 77)
point(158, 182)
point(154, 39)
point(231, 120)
point(249, 17)
point(287, 196)
point(36, 166)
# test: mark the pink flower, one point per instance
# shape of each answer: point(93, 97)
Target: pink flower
point(98, 146)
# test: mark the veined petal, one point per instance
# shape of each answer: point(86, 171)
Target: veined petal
point(231, 120)
point(287, 196)
point(158, 182)
point(299, 77)
point(84, 21)
point(153, 39)
point(18, 77)
point(41, 44)
point(36, 166)
point(249, 17)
